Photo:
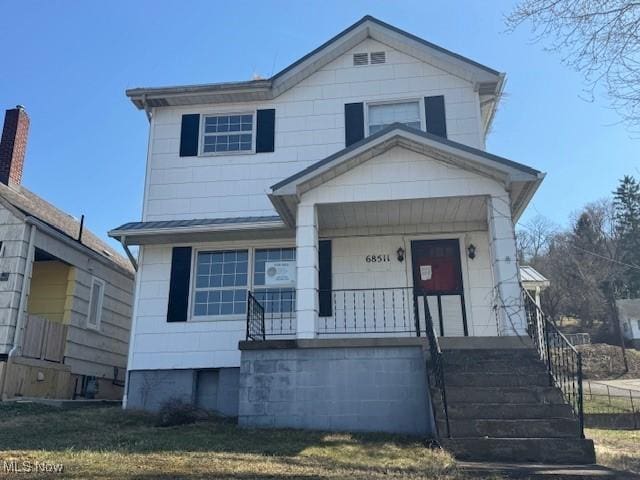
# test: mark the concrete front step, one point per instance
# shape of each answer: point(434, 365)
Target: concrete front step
point(556, 451)
point(491, 379)
point(511, 355)
point(530, 394)
point(461, 410)
point(512, 428)
point(494, 366)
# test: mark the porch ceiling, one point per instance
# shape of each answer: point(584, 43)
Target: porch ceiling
point(471, 209)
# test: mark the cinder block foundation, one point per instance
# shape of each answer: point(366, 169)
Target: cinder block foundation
point(340, 388)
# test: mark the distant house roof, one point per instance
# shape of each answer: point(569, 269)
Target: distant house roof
point(532, 279)
point(32, 205)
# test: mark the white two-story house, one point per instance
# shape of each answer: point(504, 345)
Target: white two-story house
point(341, 209)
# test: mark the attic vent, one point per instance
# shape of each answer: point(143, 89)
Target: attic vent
point(378, 57)
point(360, 59)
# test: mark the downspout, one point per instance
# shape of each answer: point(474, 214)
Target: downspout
point(26, 274)
point(123, 241)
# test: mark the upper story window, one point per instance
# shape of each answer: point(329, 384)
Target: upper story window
point(381, 115)
point(228, 133)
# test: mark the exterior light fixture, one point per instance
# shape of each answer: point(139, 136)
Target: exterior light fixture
point(471, 250)
point(400, 253)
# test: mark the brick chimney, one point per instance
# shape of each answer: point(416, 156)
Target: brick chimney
point(13, 145)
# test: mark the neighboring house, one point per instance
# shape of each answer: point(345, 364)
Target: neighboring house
point(629, 313)
point(302, 234)
point(65, 315)
point(533, 281)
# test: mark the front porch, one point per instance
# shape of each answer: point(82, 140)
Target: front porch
point(391, 268)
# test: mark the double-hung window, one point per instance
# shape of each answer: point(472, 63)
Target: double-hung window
point(228, 133)
point(278, 300)
point(383, 114)
point(222, 278)
point(221, 283)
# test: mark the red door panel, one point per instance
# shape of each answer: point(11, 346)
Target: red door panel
point(436, 266)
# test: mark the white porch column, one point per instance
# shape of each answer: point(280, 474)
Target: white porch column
point(307, 271)
point(507, 296)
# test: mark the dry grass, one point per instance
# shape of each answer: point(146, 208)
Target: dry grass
point(618, 449)
point(601, 361)
point(109, 443)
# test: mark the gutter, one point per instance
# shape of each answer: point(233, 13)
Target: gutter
point(26, 281)
point(230, 227)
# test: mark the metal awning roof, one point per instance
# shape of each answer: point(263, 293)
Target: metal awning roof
point(200, 229)
point(532, 279)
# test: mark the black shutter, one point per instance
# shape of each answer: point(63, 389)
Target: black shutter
point(325, 305)
point(179, 284)
point(189, 134)
point(265, 130)
point(353, 123)
point(435, 115)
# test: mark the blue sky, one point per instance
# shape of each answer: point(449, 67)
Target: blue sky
point(69, 63)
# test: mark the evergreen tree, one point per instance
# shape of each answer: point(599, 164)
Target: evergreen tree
point(627, 217)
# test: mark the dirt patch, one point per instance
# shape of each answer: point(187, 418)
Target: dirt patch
point(601, 361)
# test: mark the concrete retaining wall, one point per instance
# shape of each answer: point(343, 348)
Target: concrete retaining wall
point(380, 389)
point(215, 389)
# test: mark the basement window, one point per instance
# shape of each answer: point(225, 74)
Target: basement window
point(95, 303)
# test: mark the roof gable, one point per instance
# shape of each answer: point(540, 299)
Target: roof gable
point(521, 180)
point(486, 80)
point(399, 134)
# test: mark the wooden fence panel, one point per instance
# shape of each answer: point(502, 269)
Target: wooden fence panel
point(33, 336)
point(44, 339)
point(54, 342)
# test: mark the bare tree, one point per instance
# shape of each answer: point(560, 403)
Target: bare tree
point(600, 38)
point(533, 239)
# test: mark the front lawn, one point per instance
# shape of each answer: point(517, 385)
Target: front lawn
point(618, 449)
point(109, 443)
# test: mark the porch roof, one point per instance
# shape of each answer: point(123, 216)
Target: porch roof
point(522, 179)
point(172, 231)
point(532, 279)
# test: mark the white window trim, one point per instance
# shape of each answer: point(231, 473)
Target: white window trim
point(419, 100)
point(201, 151)
point(100, 282)
point(250, 274)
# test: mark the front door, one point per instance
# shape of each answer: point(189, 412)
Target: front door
point(437, 283)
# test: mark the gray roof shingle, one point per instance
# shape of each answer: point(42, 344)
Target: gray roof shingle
point(31, 204)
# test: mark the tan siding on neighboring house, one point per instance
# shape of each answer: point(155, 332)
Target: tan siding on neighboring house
point(13, 236)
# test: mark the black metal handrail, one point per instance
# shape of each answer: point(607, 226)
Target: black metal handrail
point(367, 311)
point(563, 361)
point(279, 305)
point(435, 371)
point(255, 319)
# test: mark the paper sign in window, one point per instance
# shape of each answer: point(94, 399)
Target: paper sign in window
point(425, 272)
point(280, 273)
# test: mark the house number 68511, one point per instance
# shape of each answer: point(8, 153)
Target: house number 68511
point(377, 258)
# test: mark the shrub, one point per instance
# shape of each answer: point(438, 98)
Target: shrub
point(177, 412)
